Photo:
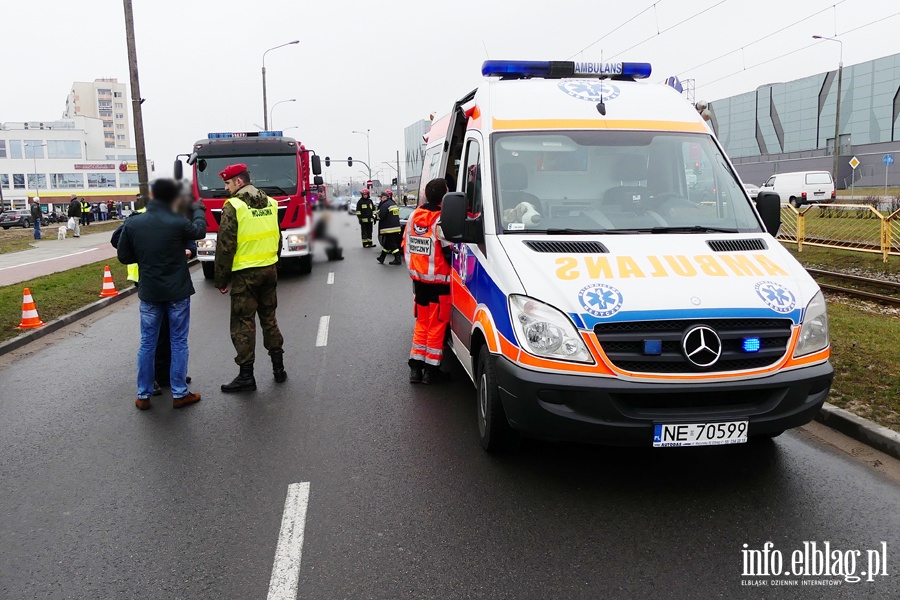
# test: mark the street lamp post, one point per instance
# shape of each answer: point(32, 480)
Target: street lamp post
point(368, 150)
point(37, 185)
point(837, 107)
point(272, 112)
point(265, 108)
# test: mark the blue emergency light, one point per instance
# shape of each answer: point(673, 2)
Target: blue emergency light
point(751, 344)
point(653, 347)
point(243, 134)
point(556, 69)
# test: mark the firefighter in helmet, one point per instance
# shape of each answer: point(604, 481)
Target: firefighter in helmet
point(365, 213)
point(389, 228)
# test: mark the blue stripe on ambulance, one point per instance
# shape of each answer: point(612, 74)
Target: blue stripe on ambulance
point(486, 292)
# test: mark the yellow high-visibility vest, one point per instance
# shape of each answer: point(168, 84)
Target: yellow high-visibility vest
point(132, 269)
point(257, 236)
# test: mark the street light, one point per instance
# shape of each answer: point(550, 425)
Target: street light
point(291, 127)
point(368, 150)
point(37, 187)
point(265, 108)
point(272, 112)
point(837, 107)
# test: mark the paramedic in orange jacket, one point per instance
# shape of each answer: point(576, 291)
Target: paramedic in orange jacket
point(428, 258)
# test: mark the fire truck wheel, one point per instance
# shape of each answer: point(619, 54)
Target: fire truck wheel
point(209, 269)
point(304, 264)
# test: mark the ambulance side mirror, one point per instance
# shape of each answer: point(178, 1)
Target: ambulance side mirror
point(178, 170)
point(455, 222)
point(768, 205)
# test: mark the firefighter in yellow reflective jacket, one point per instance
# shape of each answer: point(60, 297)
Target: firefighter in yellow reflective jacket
point(247, 249)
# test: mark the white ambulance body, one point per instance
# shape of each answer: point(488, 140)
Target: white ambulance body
point(593, 299)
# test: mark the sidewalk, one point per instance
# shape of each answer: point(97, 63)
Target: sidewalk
point(52, 256)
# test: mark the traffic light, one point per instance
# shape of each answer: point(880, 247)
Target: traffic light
point(394, 181)
point(349, 161)
point(327, 161)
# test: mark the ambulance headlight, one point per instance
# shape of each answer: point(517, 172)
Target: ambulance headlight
point(296, 240)
point(206, 244)
point(814, 331)
point(546, 332)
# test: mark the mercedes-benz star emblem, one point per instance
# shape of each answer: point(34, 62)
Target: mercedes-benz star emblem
point(702, 346)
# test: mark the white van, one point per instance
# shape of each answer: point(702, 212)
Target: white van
point(802, 187)
point(592, 298)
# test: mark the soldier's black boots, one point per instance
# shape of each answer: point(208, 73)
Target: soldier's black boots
point(244, 382)
point(278, 368)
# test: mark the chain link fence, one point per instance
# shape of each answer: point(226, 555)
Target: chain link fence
point(858, 227)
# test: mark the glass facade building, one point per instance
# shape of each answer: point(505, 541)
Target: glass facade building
point(784, 127)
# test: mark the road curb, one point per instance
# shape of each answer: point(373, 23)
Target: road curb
point(860, 429)
point(57, 324)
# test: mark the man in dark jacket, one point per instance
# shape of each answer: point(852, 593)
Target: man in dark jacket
point(365, 213)
point(75, 213)
point(389, 228)
point(155, 240)
point(36, 217)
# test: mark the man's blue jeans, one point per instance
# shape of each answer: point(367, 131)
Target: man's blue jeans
point(37, 229)
point(179, 313)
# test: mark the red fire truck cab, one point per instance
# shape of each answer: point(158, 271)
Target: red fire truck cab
point(279, 166)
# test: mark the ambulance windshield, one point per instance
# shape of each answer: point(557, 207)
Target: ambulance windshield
point(616, 181)
point(275, 174)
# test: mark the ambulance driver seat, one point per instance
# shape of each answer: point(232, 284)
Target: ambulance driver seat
point(629, 169)
point(518, 205)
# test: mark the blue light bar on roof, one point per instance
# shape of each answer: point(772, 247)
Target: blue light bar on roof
point(243, 134)
point(556, 69)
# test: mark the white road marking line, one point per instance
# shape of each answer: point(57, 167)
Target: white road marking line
point(34, 262)
point(322, 336)
point(330, 278)
point(286, 570)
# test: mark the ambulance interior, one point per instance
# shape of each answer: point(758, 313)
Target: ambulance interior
point(615, 181)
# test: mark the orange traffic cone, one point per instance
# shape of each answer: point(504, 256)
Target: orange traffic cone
point(30, 318)
point(109, 288)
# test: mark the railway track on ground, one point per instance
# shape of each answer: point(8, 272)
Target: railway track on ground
point(878, 290)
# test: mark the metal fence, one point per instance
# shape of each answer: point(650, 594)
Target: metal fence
point(857, 227)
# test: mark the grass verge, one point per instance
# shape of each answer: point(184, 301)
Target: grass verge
point(846, 261)
point(17, 239)
point(864, 354)
point(56, 295)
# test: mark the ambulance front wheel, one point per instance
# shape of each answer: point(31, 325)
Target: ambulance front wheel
point(209, 269)
point(493, 427)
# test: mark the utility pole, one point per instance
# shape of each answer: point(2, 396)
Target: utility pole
point(398, 174)
point(136, 101)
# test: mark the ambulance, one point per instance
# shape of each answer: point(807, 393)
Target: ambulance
point(594, 297)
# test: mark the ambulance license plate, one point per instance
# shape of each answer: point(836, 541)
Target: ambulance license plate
point(699, 434)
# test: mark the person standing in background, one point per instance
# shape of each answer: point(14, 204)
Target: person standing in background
point(85, 212)
point(389, 228)
point(74, 213)
point(103, 209)
point(365, 214)
point(36, 216)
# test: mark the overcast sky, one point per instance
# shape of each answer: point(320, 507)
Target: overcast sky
point(383, 65)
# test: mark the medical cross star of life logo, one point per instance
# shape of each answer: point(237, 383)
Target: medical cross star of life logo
point(776, 296)
point(601, 299)
point(812, 564)
point(590, 90)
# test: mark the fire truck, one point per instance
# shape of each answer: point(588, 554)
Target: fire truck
point(280, 166)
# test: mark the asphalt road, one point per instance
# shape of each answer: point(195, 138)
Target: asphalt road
point(99, 500)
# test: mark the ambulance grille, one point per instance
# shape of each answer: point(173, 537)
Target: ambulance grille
point(623, 344)
point(567, 247)
point(737, 245)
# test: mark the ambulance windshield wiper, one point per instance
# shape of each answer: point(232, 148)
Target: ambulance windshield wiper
point(691, 229)
point(571, 231)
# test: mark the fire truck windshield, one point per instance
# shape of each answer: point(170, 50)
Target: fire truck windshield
point(275, 174)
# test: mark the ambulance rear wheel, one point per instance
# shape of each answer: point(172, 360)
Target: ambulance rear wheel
point(493, 427)
point(209, 269)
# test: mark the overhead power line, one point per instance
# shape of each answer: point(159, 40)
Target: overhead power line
point(671, 27)
point(615, 29)
point(721, 56)
point(765, 62)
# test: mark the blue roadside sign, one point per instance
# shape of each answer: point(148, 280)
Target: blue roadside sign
point(888, 160)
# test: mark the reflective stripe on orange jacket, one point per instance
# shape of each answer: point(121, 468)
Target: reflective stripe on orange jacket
point(422, 248)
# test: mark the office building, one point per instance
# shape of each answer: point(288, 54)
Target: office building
point(104, 99)
point(414, 137)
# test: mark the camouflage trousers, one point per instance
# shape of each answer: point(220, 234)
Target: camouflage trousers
point(253, 293)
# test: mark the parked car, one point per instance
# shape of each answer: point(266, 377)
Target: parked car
point(16, 218)
point(340, 203)
point(802, 187)
point(405, 212)
point(752, 190)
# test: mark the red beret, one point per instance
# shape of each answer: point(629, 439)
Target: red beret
point(232, 171)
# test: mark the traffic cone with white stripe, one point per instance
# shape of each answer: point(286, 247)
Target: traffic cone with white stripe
point(109, 288)
point(30, 318)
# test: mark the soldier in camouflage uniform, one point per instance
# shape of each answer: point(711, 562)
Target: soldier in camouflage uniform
point(248, 264)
